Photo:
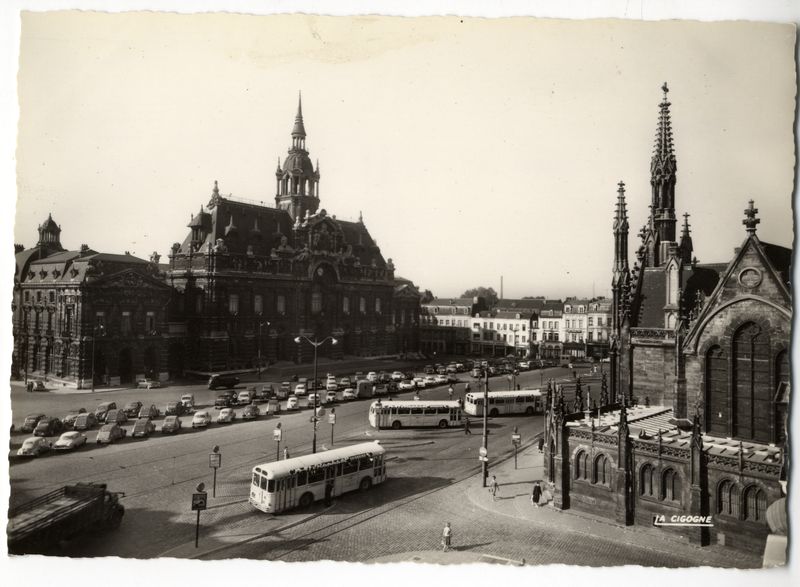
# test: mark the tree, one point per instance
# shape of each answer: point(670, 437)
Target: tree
point(427, 297)
point(487, 293)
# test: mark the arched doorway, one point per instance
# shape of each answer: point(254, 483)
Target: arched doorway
point(175, 359)
point(125, 366)
point(751, 377)
point(151, 363)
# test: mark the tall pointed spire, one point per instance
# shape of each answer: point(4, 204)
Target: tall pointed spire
point(663, 162)
point(663, 170)
point(621, 229)
point(686, 247)
point(299, 130)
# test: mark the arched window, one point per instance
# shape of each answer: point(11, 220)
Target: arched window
point(728, 499)
point(670, 485)
point(581, 465)
point(717, 408)
point(752, 392)
point(646, 481)
point(316, 301)
point(601, 473)
point(754, 503)
point(781, 395)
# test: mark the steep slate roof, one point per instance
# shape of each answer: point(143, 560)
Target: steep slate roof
point(781, 260)
point(521, 304)
point(450, 302)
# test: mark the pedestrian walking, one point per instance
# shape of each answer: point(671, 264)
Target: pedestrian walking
point(285, 454)
point(466, 427)
point(30, 386)
point(541, 444)
point(446, 536)
point(536, 494)
point(494, 488)
point(450, 392)
point(466, 388)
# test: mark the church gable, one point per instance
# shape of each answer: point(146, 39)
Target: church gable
point(131, 279)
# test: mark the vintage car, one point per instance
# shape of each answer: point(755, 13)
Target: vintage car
point(226, 416)
point(48, 427)
point(349, 394)
point(292, 403)
point(330, 397)
point(216, 381)
point(131, 409)
point(110, 433)
point(101, 410)
point(251, 412)
point(245, 397)
point(150, 411)
point(69, 419)
point(171, 425)
point(406, 385)
point(116, 417)
point(33, 447)
point(30, 422)
point(85, 421)
point(148, 383)
point(187, 399)
point(201, 419)
point(174, 409)
point(285, 390)
point(70, 441)
point(143, 428)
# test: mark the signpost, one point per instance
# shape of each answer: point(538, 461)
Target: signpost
point(482, 455)
point(215, 462)
point(332, 422)
point(516, 440)
point(199, 503)
point(277, 433)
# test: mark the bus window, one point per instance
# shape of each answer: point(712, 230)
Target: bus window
point(497, 400)
point(364, 463)
point(255, 479)
point(330, 471)
point(349, 466)
point(271, 486)
point(263, 483)
point(302, 478)
point(339, 470)
point(316, 475)
point(416, 411)
point(522, 399)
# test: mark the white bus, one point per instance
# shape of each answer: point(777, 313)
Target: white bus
point(399, 414)
point(281, 485)
point(522, 401)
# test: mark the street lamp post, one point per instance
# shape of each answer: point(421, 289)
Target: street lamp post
point(316, 344)
point(97, 331)
point(260, 325)
point(485, 463)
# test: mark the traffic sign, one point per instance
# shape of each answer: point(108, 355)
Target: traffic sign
point(320, 412)
point(482, 451)
point(215, 460)
point(199, 501)
point(331, 418)
point(516, 438)
point(484, 459)
point(276, 434)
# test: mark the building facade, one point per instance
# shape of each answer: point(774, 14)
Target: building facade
point(550, 330)
point(445, 325)
point(501, 333)
point(694, 421)
point(81, 315)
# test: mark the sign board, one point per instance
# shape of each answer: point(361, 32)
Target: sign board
point(485, 459)
point(320, 412)
point(276, 434)
point(515, 438)
point(331, 419)
point(215, 460)
point(482, 451)
point(199, 501)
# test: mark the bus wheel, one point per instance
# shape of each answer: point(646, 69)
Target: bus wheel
point(397, 425)
point(306, 500)
point(365, 484)
point(442, 423)
point(529, 411)
point(493, 412)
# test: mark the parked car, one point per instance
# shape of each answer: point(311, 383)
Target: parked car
point(31, 420)
point(131, 409)
point(70, 441)
point(397, 376)
point(148, 383)
point(285, 390)
point(150, 412)
point(419, 382)
point(251, 412)
point(349, 394)
point(201, 419)
point(524, 365)
point(224, 400)
point(315, 398)
point(116, 417)
point(33, 447)
point(244, 398)
point(85, 421)
point(300, 389)
point(332, 386)
point(217, 381)
point(441, 369)
point(174, 408)
point(440, 379)
point(143, 428)
point(110, 433)
point(38, 385)
point(372, 376)
point(48, 427)
point(292, 403)
point(451, 378)
point(359, 375)
point(451, 368)
point(226, 416)
point(406, 385)
point(428, 370)
point(69, 419)
point(330, 397)
point(171, 425)
point(263, 394)
point(187, 399)
point(101, 410)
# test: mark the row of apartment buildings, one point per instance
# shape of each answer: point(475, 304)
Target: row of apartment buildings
point(537, 327)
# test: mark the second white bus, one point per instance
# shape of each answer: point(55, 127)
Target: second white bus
point(414, 413)
point(523, 401)
point(300, 481)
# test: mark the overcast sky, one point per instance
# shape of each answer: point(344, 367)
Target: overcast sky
point(474, 148)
